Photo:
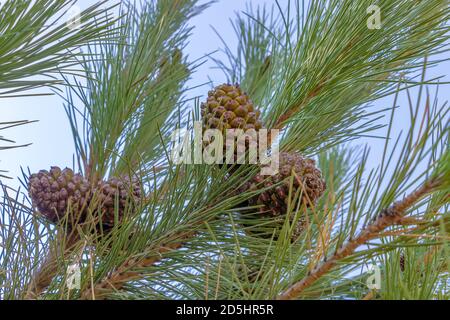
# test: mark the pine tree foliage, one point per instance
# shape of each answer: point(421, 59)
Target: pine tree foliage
point(36, 42)
point(8, 143)
point(37, 45)
point(313, 68)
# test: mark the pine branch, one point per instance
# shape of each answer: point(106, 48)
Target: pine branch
point(35, 42)
point(310, 79)
point(172, 240)
point(369, 296)
point(44, 275)
point(252, 64)
point(131, 103)
point(125, 272)
point(317, 77)
point(132, 100)
point(386, 218)
point(32, 45)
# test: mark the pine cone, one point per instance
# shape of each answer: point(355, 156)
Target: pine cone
point(228, 107)
point(121, 191)
point(402, 262)
point(274, 201)
point(53, 191)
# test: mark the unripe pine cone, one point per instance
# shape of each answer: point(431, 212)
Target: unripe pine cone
point(228, 107)
point(54, 192)
point(274, 201)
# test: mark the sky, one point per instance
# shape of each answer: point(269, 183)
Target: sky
point(51, 137)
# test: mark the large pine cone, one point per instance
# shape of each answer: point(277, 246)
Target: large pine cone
point(274, 201)
point(228, 107)
point(52, 192)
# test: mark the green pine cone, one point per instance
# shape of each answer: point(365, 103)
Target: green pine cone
point(228, 107)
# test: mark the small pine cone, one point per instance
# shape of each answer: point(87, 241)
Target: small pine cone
point(228, 107)
point(120, 193)
point(274, 201)
point(52, 192)
point(402, 262)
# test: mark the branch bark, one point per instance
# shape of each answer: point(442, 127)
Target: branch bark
point(386, 218)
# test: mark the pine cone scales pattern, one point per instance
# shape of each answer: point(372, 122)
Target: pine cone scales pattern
point(121, 192)
point(228, 107)
point(274, 201)
point(53, 192)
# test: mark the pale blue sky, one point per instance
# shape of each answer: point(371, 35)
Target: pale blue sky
point(51, 136)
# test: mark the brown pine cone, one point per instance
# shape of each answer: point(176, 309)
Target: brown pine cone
point(273, 203)
point(228, 107)
point(52, 192)
point(117, 193)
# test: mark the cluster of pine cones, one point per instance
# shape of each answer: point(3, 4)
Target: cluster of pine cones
point(56, 193)
point(228, 107)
